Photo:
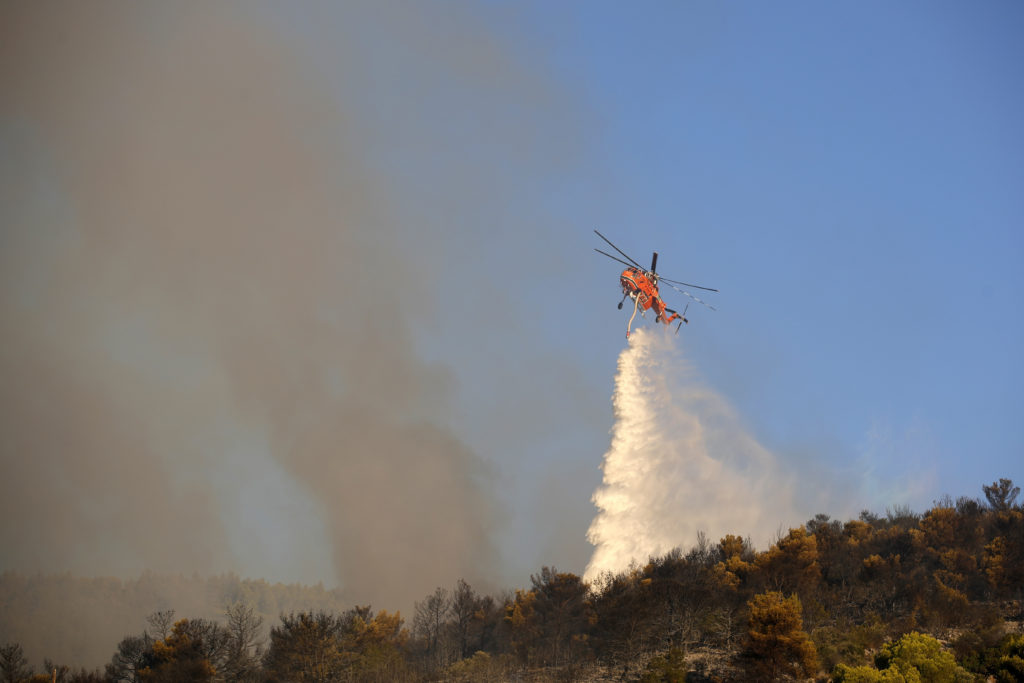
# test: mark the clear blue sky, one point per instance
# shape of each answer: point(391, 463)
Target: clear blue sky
point(849, 175)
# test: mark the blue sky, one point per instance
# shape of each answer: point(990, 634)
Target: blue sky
point(418, 185)
point(849, 177)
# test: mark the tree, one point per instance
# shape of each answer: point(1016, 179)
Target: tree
point(161, 622)
point(488, 619)
point(626, 616)
point(776, 638)
point(792, 563)
point(242, 657)
point(925, 656)
point(914, 657)
point(522, 623)
point(428, 625)
point(373, 646)
point(306, 647)
point(193, 651)
point(725, 625)
point(549, 621)
point(356, 646)
point(1001, 495)
point(703, 553)
point(13, 665)
point(1010, 666)
point(463, 608)
point(128, 659)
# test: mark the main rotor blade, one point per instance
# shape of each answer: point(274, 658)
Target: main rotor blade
point(619, 250)
point(685, 284)
point(692, 297)
point(628, 265)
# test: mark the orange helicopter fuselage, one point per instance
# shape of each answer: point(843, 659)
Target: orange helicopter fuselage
point(639, 287)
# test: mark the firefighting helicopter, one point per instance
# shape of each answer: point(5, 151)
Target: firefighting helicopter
point(641, 285)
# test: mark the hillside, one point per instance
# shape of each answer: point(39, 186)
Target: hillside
point(940, 589)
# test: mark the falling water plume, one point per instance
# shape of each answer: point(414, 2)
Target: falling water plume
point(680, 463)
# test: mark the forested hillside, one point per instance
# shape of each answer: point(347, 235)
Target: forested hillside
point(80, 620)
point(904, 596)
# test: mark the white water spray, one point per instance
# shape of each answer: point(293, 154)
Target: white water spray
point(680, 462)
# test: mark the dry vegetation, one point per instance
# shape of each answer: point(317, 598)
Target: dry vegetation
point(932, 596)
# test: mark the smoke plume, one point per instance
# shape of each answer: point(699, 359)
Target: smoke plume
point(207, 363)
point(680, 463)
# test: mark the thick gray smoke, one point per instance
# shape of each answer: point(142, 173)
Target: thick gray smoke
point(205, 366)
point(680, 463)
